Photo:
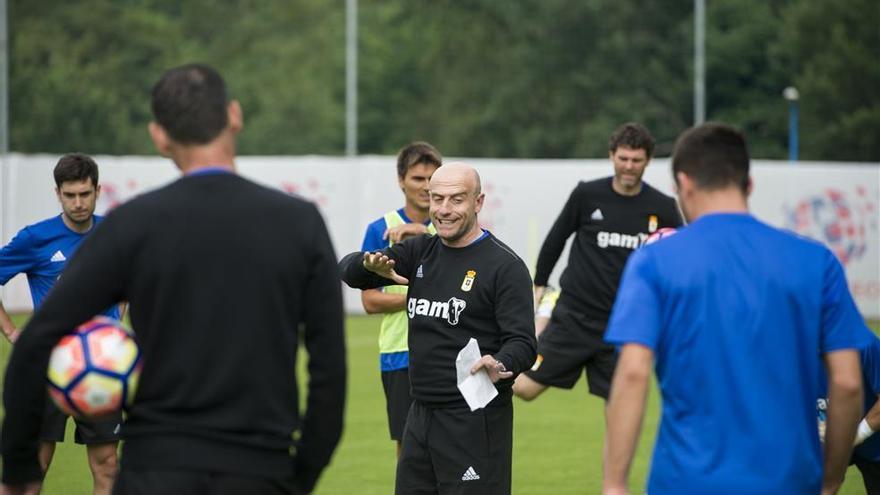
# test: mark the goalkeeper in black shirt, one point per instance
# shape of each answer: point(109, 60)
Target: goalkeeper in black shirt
point(610, 217)
point(463, 283)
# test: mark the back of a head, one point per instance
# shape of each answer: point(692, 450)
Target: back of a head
point(714, 156)
point(634, 136)
point(75, 167)
point(417, 153)
point(190, 103)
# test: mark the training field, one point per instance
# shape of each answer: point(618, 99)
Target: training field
point(557, 439)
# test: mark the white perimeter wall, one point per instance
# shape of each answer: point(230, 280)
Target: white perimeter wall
point(832, 202)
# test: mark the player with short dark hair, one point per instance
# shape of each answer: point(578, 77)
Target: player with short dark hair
point(189, 103)
point(463, 283)
point(736, 318)
point(416, 163)
point(225, 279)
point(41, 251)
point(76, 167)
point(610, 217)
point(633, 136)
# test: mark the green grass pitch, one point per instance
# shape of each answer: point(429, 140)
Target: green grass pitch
point(557, 438)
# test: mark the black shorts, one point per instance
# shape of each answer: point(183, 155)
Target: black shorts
point(453, 451)
point(397, 400)
point(87, 432)
point(172, 482)
point(870, 475)
point(571, 342)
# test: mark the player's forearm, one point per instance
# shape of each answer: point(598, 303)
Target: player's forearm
point(6, 323)
point(547, 258)
point(554, 243)
point(375, 301)
point(551, 249)
point(515, 315)
point(873, 416)
point(538, 291)
point(519, 346)
point(324, 339)
point(843, 414)
point(626, 408)
point(123, 307)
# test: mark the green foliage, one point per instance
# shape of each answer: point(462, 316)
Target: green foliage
point(834, 50)
point(533, 78)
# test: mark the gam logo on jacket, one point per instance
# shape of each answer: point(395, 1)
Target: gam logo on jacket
point(449, 310)
point(616, 239)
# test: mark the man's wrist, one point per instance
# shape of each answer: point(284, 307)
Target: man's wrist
point(863, 432)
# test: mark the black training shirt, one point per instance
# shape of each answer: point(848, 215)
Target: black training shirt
point(608, 227)
point(482, 291)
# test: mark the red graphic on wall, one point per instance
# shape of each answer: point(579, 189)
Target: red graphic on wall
point(311, 189)
point(842, 221)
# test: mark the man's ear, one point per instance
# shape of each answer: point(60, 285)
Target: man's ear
point(479, 202)
point(750, 186)
point(683, 184)
point(160, 139)
point(234, 116)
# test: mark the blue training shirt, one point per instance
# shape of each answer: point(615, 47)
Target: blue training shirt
point(737, 314)
point(41, 251)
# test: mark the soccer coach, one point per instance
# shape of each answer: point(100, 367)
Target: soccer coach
point(463, 283)
point(224, 278)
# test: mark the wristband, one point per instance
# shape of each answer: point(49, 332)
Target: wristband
point(863, 432)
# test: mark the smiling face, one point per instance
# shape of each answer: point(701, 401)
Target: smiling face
point(629, 165)
point(455, 201)
point(78, 200)
point(415, 186)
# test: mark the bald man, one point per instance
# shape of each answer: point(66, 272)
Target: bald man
point(463, 283)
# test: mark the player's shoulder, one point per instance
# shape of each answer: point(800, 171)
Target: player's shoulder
point(502, 250)
point(871, 348)
point(377, 225)
point(651, 193)
point(262, 193)
point(601, 185)
point(48, 228)
point(381, 223)
point(421, 242)
point(798, 244)
point(250, 195)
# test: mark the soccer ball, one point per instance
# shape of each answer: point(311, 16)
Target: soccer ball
point(660, 234)
point(93, 372)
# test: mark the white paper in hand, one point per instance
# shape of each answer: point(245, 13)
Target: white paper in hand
point(477, 389)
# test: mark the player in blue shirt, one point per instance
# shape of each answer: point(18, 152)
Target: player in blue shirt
point(736, 318)
point(416, 164)
point(866, 455)
point(40, 251)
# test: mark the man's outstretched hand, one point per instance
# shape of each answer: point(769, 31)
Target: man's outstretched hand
point(383, 266)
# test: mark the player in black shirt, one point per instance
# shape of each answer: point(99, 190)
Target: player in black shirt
point(225, 278)
point(610, 218)
point(463, 283)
